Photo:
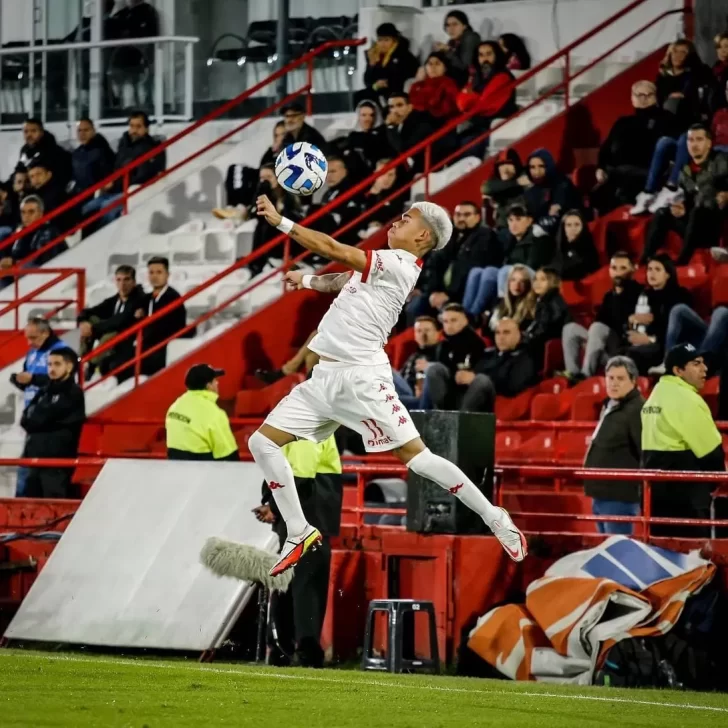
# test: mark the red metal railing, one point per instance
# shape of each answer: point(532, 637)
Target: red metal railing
point(58, 275)
point(359, 188)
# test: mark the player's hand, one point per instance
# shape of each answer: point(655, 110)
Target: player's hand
point(268, 210)
point(294, 279)
point(264, 514)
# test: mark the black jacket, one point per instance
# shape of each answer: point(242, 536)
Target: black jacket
point(400, 67)
point(661, 303)
point(578, 259)
point(388, 211)
point(461, 55)
point(53, 194)
point(511, 372)
point(53, 421)
point(36, 240)
point(530, 250)
point(552, 313)
point(131, 149)
point(342, 214)
point(369, 146)
point(113, 318)
point(618, 445)
point(476, 248)
point(464, 349)
point(505, 193)
point(56, 157)
point(307, 134)
point(91, 162)
point(408, 370)
point(414, 129)
point(616, 308)
point(166, 326)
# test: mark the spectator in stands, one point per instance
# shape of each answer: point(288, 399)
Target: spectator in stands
point(98, 324)
point(506, 371)
point(517, 56)
point(616, 443)
point(134, 143)
point(241, 181)
point(407, 127)
point(719, 127)
point(473, 246)
point(53, 421)
point(434, 91)
point(339, 182)
point(9, 210)
point(604, 336)
point(41, 143)
point(550, 313)
point(21, 183)
point(720, 67)
point(389, 65)
point(696, 212)
point(505, 187)
point(297, 130)
point(517, 303)
point(369, 138)
point(93, 159)
point(576, 254)
point(384, 186)
point(304, 357)
point(197, 427)
point(51, 192)
point(409, 381)
point(489, 93)
point(550, 193)
point(626, 156)
point(460, 50)
point(31, 211)
point(161, 296)
point(647, 326)
point(678, 433)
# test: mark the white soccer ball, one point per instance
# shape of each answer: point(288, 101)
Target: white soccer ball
point(301, 168)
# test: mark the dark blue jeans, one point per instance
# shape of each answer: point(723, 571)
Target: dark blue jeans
point(481, 290)
point(686, 327)
point(667, 150)
point(615, 508)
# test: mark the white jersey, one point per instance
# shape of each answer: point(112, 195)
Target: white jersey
point(358, 323)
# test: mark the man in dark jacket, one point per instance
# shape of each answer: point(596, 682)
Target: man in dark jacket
point(41, 143)
point(625, 155)
point(51, 192)
point(604, 336)
point(53, 421)
point(93, 158)
point(410, 379)
point(407, 127)
point(507, 370)
point(135, 143)
point(678, 433)
point(113, 315)
point(616, 443)
point(698, 213)
point(522, 246)
point(369, 139)
point(297, 130)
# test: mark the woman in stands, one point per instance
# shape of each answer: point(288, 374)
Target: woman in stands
point(490, 93)
point(517, 56)
point(433, 91)
point(518, 303)
point(577, 255)
point(460, 49)
point(383, 187)
point(505, 186)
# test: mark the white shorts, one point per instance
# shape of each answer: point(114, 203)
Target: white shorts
point(359, 397)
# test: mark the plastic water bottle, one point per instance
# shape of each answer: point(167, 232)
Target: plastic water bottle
point(642, 306)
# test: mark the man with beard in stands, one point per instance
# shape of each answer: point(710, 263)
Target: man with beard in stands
point(51, 192)
point(39, 142)
point(297, 130)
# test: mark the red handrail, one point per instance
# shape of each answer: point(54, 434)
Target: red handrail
point(123, 173)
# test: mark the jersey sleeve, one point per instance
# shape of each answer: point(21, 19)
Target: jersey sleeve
point(385, 268)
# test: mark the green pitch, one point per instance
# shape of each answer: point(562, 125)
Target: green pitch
point(40, 689)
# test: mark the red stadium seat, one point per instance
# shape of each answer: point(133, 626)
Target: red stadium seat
point(506, 440)
point(251, 402)
point(547, 407)
point(514, 408)
point(712, 386)
point(539, 447)
point(553, 359)
point(586, 407)
point(573, 445)
point(553, 385)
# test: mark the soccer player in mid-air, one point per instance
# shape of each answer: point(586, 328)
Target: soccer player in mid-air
point(352, 383)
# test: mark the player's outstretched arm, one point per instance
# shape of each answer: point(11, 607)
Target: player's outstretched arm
point(319, 243)
point(327, 283)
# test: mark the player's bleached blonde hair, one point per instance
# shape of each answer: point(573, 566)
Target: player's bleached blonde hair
point(437, 220)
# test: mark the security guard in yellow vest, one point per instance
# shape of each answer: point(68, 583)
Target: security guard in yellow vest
point(678, 433)
point(297, 617)
point(197, 429)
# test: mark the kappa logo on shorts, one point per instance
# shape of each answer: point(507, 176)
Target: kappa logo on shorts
point(274, 486)
point(378, 436)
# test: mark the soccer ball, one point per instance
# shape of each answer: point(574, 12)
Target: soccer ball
point(301, 168)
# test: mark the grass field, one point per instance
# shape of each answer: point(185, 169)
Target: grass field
point(40, 689)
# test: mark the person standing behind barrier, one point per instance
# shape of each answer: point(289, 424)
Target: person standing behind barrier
point(297, 616)
point(616, 443)
point(678, 433)
point(197, 428)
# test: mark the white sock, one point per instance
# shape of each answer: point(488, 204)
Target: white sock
point(279, 476)
point(449, 476)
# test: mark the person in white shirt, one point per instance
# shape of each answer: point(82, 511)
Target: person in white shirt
point(352, 384)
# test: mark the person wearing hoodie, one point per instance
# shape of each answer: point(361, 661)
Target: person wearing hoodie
point(39, 142)
point(93, 159)
point(505, 187)
point(517, 56)
point(369, 139)
point(550, 193)
point(134, 143)
point(576, 254)
point(489, 93)
point(461, 47)
point(644, 340)
point(390, 64)
point(53, 194)
point(626, 154)
point(9, 210)
point(433, 91)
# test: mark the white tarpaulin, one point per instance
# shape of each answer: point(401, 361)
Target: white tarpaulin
point(126, 573)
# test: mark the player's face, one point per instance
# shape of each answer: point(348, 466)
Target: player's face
point(453, 322)
point(405, 231)
point(618, 383)
point(694, 373)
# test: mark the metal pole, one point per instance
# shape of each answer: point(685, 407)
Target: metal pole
point(44, 65)
point(159, 85)
point(189, 80)
point(282, 45)
point(95, 80)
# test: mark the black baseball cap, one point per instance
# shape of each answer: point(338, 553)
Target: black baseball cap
point(200, 375)
point(295, 107)
point(681, 355)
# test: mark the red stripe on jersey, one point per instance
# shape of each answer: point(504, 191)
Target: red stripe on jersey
point(367, 268)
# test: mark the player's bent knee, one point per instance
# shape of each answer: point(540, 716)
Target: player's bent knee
point(276, 436)
point(410, 449)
